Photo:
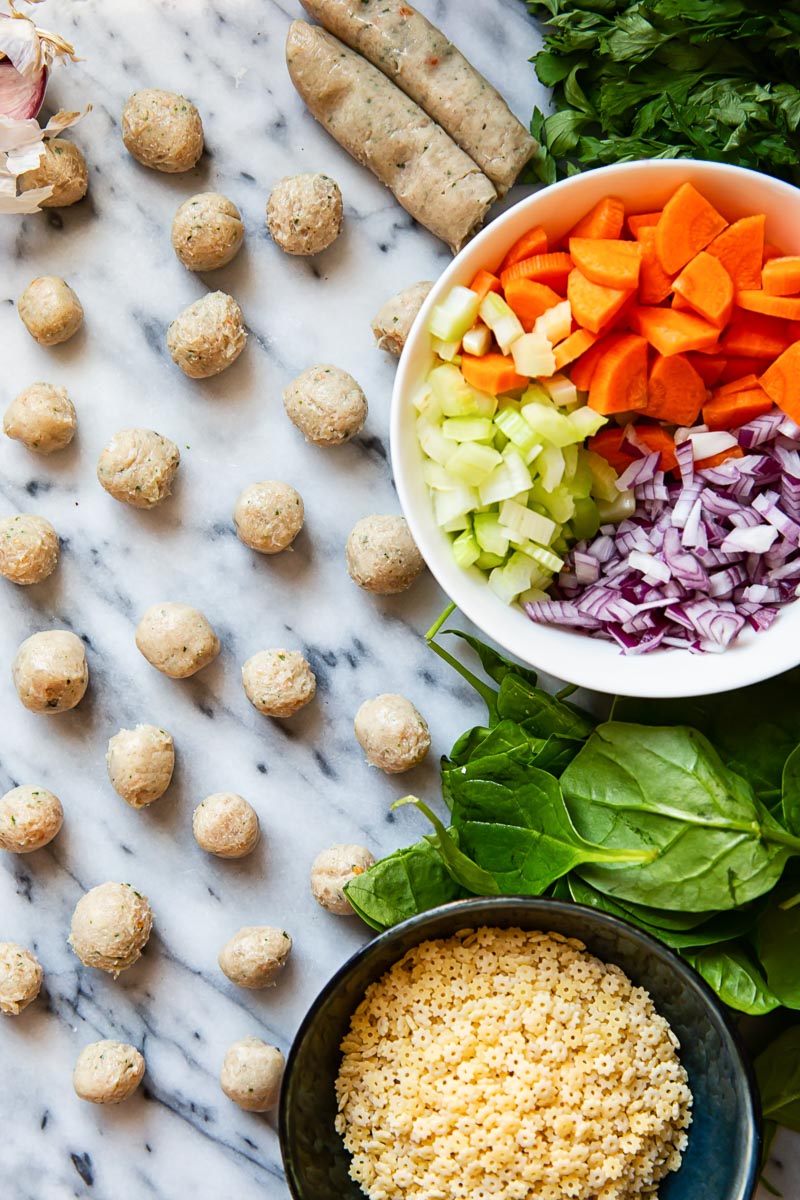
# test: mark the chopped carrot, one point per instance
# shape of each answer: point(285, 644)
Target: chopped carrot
point(551, 269)
point(705, 464)
point(492, 373)
point(708, 287)
point(742, 384)
point(603, 221)
point(608, 262)
point(581, 371)
point(771, 252)
point(754, 335)
point(619, 382)
point(573, 347)
point(736, 408)
point(772, 306)
point(740, 248)
point(534, 241)
point(678, 301)
point(529, 300)
point(688, 223)
point(654, 282)
point(735, 368)
point(781, 382)
point(781, 276)
point(483, 283)
point(593, 306)
point(656, 438)
point(672, 332)
point(637, 221)
point(675, 391)
point(710, 367)
point(607, 443)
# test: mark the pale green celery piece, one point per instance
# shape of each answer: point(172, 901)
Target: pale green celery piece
point(473, 463)
point(477, 340)
point(468, 429)
point(550, 465)
point(500, 441)
point(513, 425)
point(549, 423)
point(465, 549)
point(536, 393)
point(586, 422)
point(582, 480)
point(457, 524)
point(527, 523)
point(447, 506)
point(511, 477)
point(490, 534)
point(533, 595)
point(451, 319)
point(447, 351)
point(534, 452)
point(438, 477)
point(617, 510)
point(433, 441)
point(604, 486)
point(558, 503)
point(423, 398)
point(570, 462)
point(487, 561)
point(533, 355)
point(508, 581)
point(502, 320)
point(455, 396)
point(562, 391)
point(545, 558)
point(555, 323)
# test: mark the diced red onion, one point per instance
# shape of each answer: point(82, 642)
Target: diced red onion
point(756, 540)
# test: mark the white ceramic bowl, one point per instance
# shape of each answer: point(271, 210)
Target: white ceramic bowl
point(644, 187)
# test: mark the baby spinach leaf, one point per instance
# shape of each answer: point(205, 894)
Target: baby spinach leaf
point(461, 868)
point(731, 973)
point(790, 792)
point(501, 738)
point(493, 662)
point(777, 940)
point(666, 790)
point(405, 883)
point(539, 713)
point(778, 1074)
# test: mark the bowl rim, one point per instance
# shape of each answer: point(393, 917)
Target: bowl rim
point(671, 672)
point(609, 922)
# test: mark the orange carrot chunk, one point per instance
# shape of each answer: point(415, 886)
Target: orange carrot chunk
point(603, 221)
point(492, 373)
point(582, 370)
point(529, 300)
point(781, 276)
point(733, 409)
point(772, 306)
point(735, 368)
point(675, 391)
point(688, 223)
point(705, 464)
point(637, 221)
point(610, 263)
point(573, 347)
point(534, 241)
point(754, 335)
point(672, 332)
point(707, 287)
point(781, 382)
point(656, 438)
point(654, 282)
point(551, 269)
point(619, 382)
point(710, 367)
point(742, 384)
point(607, 443)
point(740, 249)
point(483, 283)
point(593, 305)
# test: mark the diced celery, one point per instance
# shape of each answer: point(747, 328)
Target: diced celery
point(487, 561)
point(477, 340)
point(562, 391)
point(502, 320)
point(510, 477)
point(511, 422)
point(545, 558)
point(550, 465)
point(456, 525)
point(581, 483)
point(558, 503)
point(617, 510)
point(465, 549)
point(508, 581)
point(456, 397)
point(438, 477)
point(586, 521)
point(604, 477)
point(536, 393)
point(472, 463)
point(422, 397)
point(468, 429)
point(433, 441)
point(451, 319)
point(532, 595)
point(500, 441)
point(530, 455)
point(449, 351)
point(555, 323)
point(548, 423)
point(522, 498)
point(586, 422)
point(570, 462)
point(489, 533)
point(449, 505)
point(533, 355)
point(526, 522)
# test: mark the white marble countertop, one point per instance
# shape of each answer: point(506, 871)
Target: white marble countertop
point(179, 1136)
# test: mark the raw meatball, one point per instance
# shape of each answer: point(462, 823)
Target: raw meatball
point(382, 556)
point(28, 548)
point(50, 671)
point(208, 336)
point(392, 734)
point(268, 516)
point(326, 404)
point(392, 323)
point(42, 417)
point(110, 927)
point(140, 763)
point(138, 466)
point(50, 310)
point(304, 213)
point(62, 167)
point(332, 869)
point(176, 639)
point(20, 978)
point(107, 1072)
point(251, 1074)
point(30, 817)
point(162, 130)
point(207, 231)
point(226, 825)
point(278, 682)
point(255, 956)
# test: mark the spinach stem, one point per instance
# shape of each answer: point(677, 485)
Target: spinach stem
point(566, 691)
point(792, 902)
point(439, 622)
point(487, 693)
point(783, 839)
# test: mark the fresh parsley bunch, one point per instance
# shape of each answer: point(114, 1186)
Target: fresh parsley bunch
point(709, 79)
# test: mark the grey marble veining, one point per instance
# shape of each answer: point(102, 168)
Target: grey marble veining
point(179, 1136)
